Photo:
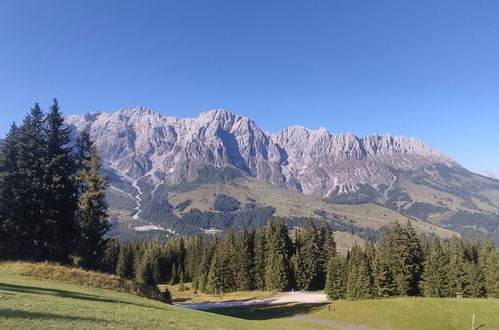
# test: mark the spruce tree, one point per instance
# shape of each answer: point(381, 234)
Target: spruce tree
point(260, 259)
point(435, 276)
point(245, 272)
point(404, 250)
point(125, 264)
point(360, 282)
point(92, 211)
point(34, 235)
point(327, 251)
point(308, 260)
point(60, 197)
point(277, 268)
point(217, 277)
point(475, 282)
point(489, 263)
point(457, 275)
point(384, 284)
point(10, 224)
point(336, 278)
point(111, 255)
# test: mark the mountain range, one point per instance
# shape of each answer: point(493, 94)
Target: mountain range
point(204, 174)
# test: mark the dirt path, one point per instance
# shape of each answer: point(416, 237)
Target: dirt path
point(330, 323)
point(291, 297)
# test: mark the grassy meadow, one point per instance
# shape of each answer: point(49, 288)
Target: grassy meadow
point(392, 313)
point(28, 302)
point(73, 302)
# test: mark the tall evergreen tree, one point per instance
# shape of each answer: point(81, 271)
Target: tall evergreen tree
point(457, 275)
point(260, 254)
point(360, 282)
point(277, 268)
point(404, 250)
point(327, 250)
point(60, 196)
point(125, 263)
point(10, 224)
point(92, 211)
point(336, 278)
point(245, 272)
point(489, 263)
point(34, 229)
point(435, 276)
point(308, 262)
point(384, 284)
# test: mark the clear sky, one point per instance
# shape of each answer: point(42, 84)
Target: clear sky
point(428, 69)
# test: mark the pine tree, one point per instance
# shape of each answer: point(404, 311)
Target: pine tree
point(404, 250)
point(435, 276)
point(277, 268)
point(245, 260)
point(125, 264)
point(475, 282)
point(489, 263)
point(457, 266)
point(336, 278)
point(92, 211)
point(34, 231)
point(327, 251)
point(60, 197)
point(308, 261)
point(110, 257)
point(9, 203)
point(360, 282)
point(384, 284)
point(260, 259)
point(216, 282)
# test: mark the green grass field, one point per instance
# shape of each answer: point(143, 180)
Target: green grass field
point(395, 313)
point(33, 303)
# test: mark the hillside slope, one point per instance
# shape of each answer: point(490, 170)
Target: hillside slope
point(31, 303)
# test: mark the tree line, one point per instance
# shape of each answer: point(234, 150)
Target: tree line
point(52, 202)
point(270, 258)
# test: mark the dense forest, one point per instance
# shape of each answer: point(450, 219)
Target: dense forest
point(270, 258)
point(52, 201)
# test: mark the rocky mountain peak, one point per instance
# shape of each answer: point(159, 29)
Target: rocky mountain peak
point(138, 142)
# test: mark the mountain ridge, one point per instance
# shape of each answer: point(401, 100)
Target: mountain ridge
point(146, 155)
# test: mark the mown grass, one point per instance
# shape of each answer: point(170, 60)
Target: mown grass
point(395, 313)
point(37, 303)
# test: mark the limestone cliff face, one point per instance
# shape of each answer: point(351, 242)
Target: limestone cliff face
point(138, 143)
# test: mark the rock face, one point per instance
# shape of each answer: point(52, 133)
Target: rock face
point(138, 143)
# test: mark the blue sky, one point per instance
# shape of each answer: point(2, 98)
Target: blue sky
point(428, 69)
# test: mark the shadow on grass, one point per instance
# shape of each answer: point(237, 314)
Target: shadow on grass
point(64, 293)
point(19, 314)
point(189, 300)
point(267, 312)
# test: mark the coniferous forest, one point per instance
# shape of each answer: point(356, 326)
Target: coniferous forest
point(52, 201)
point(52, 207)
point(400, 264)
